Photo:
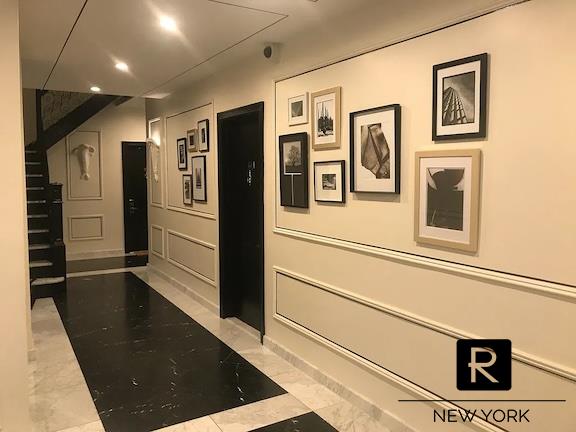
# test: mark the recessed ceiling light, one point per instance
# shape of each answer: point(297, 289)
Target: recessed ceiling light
point(168, 23)
point(122, 66)
point(95, 89)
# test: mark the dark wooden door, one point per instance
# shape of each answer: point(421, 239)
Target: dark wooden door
point(241, 214)
point(135, 196)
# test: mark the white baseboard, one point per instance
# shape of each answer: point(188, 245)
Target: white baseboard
point(95, 254)
point(186, 290)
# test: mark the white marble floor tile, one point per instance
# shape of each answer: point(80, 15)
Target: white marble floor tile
point(204, 424)
point(90, 427)
point(259, 414)
point(266, 361)
point(59, 396)
point(305, 389)
point(62, 408)
point(347, 418)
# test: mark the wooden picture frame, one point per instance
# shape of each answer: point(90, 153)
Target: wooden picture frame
point(204, 135)
point(192, 136)
point(377, 129)
point(298, 110)
point(328, 188)
point(293, 170)
point(325, 107)
point(187, 189)
point(199, 187)
point(447, 198)
point(182, 153)
point(459, 99)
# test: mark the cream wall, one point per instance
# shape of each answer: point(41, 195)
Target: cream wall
point(96, 225)
point(15, 302)
point(394, 309)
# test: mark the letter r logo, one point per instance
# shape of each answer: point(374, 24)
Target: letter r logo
point(484, 364)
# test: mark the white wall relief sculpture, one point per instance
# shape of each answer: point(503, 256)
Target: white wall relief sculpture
point(154, 147)
point(84, 152)
point(83, 160)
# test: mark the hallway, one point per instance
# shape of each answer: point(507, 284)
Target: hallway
point(133, 353)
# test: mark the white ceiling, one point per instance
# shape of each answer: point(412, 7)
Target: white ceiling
point(73, 44)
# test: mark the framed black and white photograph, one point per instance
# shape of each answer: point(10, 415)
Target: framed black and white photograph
point(329, 181)
point(199, 178)
point(182, 153)
point(187, 189)
point(293, 154)
point(375, 148)
point(204, 135)
point(326, 119)
point(298, 110)
point(192, 138)
point(447, 198)
point(459, 99)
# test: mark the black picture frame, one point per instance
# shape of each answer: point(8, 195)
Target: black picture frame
point(204, 142)
point(182, 153)
point(294, 184)
point(396, 109)
point(187, 178)
point(438, 135)
point(203, 195)
point(342, 164)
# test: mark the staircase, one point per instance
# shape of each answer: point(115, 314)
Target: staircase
point(58, 114)
point(46, 250)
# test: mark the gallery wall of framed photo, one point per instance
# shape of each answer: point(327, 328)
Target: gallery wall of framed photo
point(412, 98)
point(191, 177)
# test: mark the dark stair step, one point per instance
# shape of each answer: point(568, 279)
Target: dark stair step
point(37, 207)
point(39, 252)
point(41, 269)
point(38, 221)
point(47, 287)
point(32, 156)
point(38, 236)
point(33, 167)
point(34, 180)
point(35, 193)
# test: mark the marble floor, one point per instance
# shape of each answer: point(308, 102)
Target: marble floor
point(133, 353)
point(109, 263)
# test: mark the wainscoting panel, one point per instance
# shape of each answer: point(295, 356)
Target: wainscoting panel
point(157, 240)
point(90, 227)
point(84, 166)
point(391, 344)
point(192, 255)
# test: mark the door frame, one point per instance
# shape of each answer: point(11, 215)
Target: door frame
point(126, 144)
point(225, 310)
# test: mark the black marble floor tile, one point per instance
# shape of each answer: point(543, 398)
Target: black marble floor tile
point(77, 266)
point(310, 422)
point(147, 364)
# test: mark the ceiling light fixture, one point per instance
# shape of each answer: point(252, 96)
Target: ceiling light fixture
point(122, 66)
point(168, 23)
point(95, 89)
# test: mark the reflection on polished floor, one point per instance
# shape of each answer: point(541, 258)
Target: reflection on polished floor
point(132, 353)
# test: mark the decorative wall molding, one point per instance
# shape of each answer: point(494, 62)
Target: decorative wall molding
point(181, 287)
point(71, 219)
point(160, 254)
point(520, 356)
point(184, 267)
point(191, 212)
point(406, 385)
point(98, 161)
point(557, 290)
